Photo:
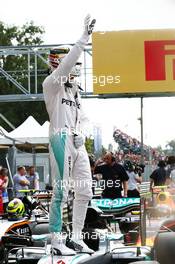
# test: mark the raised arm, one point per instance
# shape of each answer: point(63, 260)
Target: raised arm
point(64, 69)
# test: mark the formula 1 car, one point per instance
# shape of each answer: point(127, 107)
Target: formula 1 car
point(18, 232)
point(108, 245)
point(161, 202)
point(125, 212)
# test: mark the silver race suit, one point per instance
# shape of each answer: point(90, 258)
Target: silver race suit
point(69, 165)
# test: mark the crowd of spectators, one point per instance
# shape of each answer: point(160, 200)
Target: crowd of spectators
point(25, 178)
point(131, 148)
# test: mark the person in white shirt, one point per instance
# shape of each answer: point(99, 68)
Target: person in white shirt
point(134, 180)
point(20, 182)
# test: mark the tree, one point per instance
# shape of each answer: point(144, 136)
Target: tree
point(89, 143)
point(28, 34)
point(170, 147)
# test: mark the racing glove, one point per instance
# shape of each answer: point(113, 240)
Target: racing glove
point(79, 140)
point(88, 28)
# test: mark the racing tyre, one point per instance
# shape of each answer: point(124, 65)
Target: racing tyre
point(164, 248)
point(168, 225)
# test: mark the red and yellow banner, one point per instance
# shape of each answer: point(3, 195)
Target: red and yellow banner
point(136, 61)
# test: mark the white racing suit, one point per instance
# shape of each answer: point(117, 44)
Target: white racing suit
point(65, 112)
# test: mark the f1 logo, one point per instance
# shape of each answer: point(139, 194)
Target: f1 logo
point(155, 53)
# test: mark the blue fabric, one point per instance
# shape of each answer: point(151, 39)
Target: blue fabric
point(5, 197)
point(58, 146)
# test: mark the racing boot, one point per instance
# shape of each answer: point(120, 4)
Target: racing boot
point(79, 246)
point(58, 246)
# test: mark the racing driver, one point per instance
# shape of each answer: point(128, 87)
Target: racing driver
point(68, 155)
